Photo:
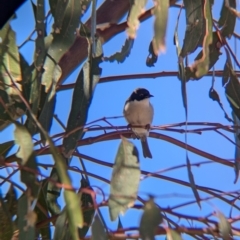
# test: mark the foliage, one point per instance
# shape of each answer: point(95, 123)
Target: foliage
point(28, 94)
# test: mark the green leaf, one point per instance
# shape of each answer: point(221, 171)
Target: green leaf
point(133, 22)
point(41, 214)
point(232, 91)
point(215, 97)
point(224, 227)
point(5, 148)
point(181, 70)
point(173, 235)
point(227, 20)
point(87, 207)
point(150, 220)
point(195, 26)
point(26, 218)
point(9, 61)
point(6, 225)
point(52, 193)
point(66, 16)
point(59, 12)
point(11, 200)
point(24, 140)
point(98, 232)
point(125, 52)
point(214, 53)
point(71, 198)
point(226, 72)
point(46, 116)
point(40, 52)
point(81, 100)
point(152, 57)
point(160, 12)
point(192, 183)
point(61, 227)
point(237, 149)
point(15, 109)
point(201, 66)
point(125, 179)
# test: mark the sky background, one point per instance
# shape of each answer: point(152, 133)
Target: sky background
point(109, 99)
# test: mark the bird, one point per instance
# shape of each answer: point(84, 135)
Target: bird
point(139, 111)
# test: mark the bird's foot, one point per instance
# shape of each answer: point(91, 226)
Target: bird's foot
point(148, 126)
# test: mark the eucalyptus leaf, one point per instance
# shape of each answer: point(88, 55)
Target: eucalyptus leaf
point(125, 179)
point(133, 22)
point(6, 224)
point(224, 227)
point(10, 62)
point(98, 231)
point(195, 29)
point(160, 12)
point(123, 54)
point(227, 20)
point(150, 220)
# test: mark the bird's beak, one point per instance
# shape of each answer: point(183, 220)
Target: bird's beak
point(151, 95)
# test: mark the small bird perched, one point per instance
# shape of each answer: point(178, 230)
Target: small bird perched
point(139, 111)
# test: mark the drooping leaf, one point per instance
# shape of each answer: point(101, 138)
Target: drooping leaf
point(11, 200)
point(40, 51)
point(46, 116)
point(214, 53)
point(59, 14)
point(98, 231)
point(226, 72)
point(9, 62)
point(34, 100)
point(26, 218)
point(232, 90)
point(74, 212)
point(41, 212)
point(173, 235)
point(15, 110)
point(24, 140)
point(123, 54)
point(81, 100)
point(87, 207)
point(52, 193)
point(201, 66)
point(195, 29)
point(227, 20)
point(5, 148)
point(61, 227)
point(150, 220)
point(160, 12)
point(181, 70)
point(133, 22)
point(6, 225)
point(152, 57)
point(66, 16)
point(224, 227)
point(125, 179)
point(215, 97)
point(192, 183)
point(237, 149)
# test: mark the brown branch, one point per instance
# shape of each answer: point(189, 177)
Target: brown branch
point(111, 11)
point(141, 76)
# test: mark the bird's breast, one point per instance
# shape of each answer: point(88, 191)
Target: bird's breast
point(139, 113)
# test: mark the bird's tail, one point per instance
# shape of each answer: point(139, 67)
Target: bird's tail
point(145, 148)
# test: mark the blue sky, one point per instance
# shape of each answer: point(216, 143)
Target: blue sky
point(109, 99)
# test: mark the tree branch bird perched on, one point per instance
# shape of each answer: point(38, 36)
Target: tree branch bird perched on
point(139, 111)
